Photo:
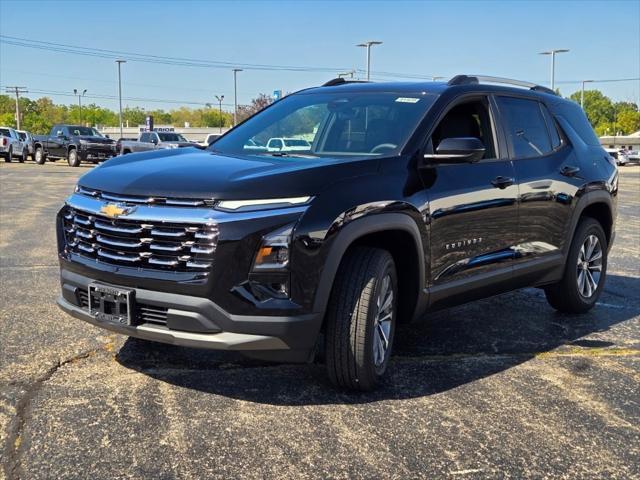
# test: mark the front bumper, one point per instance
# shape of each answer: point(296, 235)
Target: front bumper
point(198, 322)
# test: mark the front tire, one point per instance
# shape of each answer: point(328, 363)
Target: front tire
point(585, 272)
point(39, 156)
point(72, 158)
point(361, 319)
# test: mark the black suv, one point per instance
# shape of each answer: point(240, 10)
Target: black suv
point(408, 197)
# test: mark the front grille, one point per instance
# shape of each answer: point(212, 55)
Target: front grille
point(145, 200)
point(139, 244)
point(152, 314)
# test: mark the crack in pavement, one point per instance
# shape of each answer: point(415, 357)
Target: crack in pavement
point(13, 447)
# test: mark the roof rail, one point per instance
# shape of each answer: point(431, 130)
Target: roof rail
point(475, 79)
point(340, 81)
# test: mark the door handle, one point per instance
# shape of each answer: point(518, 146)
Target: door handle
point(569, 170)
point(502, 182)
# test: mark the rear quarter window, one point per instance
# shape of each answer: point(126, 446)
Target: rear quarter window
point(573, 114)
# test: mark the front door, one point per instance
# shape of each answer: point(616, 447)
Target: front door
point(473, 206)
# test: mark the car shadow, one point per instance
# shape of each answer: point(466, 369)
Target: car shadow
point(454, 347)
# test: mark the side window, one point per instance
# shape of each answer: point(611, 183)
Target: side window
point(469, 119)
point(579, 122)
point(525, 127)
point(145, 137)
point(556, 140)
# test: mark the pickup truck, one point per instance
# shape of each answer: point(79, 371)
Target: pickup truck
point(75, 143)
point(11, 145)
point(155, 141)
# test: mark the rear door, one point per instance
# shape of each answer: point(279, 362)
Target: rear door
point(473, 206)
point(548, 177)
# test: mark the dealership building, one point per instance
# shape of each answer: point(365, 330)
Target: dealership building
point(194, 134)
point(627, 142)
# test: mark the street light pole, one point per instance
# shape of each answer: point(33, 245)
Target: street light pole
point(553, 63)
point(220, 99)
point(368, 45)
point(582, 92)
point(235, 95)
point(80, 95)
point(120, 62)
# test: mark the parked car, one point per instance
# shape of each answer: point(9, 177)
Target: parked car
point(287, 145)
point(11, 146)
point(620, 156)
point(27, 140)
point(212, 137)
point(75, 143)
point(412, 198)
point(119, 143)
point(155, 141)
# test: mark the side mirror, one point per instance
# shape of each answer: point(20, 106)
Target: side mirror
point(458, 150)
point(107, 136)
point(154, 140)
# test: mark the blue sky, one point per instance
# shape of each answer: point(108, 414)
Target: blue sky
point(424, 38)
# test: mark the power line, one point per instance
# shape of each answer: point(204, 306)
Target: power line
point(181, 61)
point(131, 99)
point(17, 91)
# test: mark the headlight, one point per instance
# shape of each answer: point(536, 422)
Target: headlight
point(273, 253)
point(243, 205)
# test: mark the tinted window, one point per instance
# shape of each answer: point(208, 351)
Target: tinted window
point(171, 137)
point(578, 121)
point(145, 137)
point(553, 128)
point(525, 127)
point(5, 132)
point(23, 136)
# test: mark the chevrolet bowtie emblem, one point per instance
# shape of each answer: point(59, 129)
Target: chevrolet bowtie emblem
point(114, 210)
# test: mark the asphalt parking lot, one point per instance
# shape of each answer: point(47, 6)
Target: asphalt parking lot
point(502, 388)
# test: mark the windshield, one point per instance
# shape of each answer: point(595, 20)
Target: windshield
point(84, 132)
point(171, 137)
point(336, 125)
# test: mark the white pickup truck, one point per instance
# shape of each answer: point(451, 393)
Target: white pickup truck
point(11, 146)
point(155, 141)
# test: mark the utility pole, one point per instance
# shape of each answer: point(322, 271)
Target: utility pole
point(582, 92)
point(120, 62)
point(17, 91)
point(80, 95)
point(553, 63)
point(368, 45)
point(235, 95)
point(220, 98)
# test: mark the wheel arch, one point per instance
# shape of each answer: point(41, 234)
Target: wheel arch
point(599, 206)
point(395, 232)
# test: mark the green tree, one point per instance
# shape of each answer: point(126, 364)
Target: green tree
point(628, 121)
point(598, 107)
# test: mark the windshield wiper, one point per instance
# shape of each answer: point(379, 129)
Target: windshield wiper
point(291, 154)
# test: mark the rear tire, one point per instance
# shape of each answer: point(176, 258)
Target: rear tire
point(361, 319)
point(585, 271)
point(25, 155)
point(72, 158)
point(9, 156)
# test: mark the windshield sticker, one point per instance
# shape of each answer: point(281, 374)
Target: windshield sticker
point(407, 100)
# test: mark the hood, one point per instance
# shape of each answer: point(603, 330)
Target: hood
point(94, 139)
point(195, 173)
